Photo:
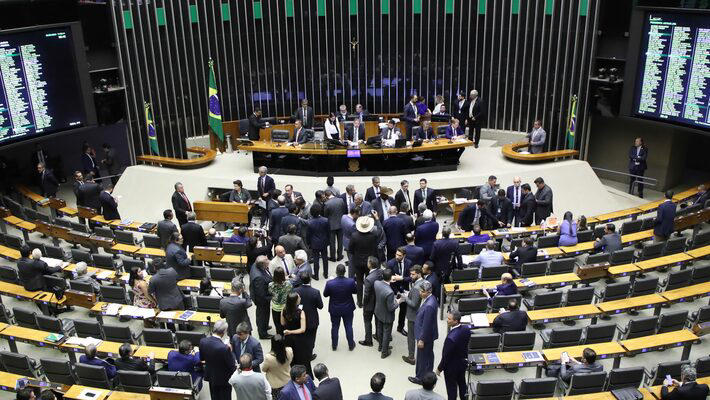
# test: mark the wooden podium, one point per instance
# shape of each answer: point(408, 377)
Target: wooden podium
point(219, 211)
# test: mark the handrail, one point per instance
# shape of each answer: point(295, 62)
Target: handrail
point(510, 151)
point(208, 155)
point(646, 180)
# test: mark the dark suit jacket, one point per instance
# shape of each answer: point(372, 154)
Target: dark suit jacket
point(425, 235)
point(329, 388)
point(370, 194)
point(435, 284)
point(543, 202)
point(441, 253)
point(307, 119)
point(252, 347)
point(234, 310)
point(686, 391)
point(290, 391)
point(259, 280)
point(408, 221)
point(301, 136)
point(454, 356)
point(451, 133)
point(664, 219)
point(268, 186)
point(395, 231)
point(425, 134)
point(89, 193)
point(415, 254)
point(523, 255)
point(192, 235)
point(180, 206)
point(430, 199)
point(275, 222)
point(49, 184)
point(393, 266)
point(318, 233)
point(511, 321)
point(31, 273)
point(255, 124)
point(133, 364)
point(360, 132)
point(368, 289)
point(109, 207)
point(478, 112)
point(176, 258)
point(510, 193)
point(311, 302)
point(527, 208)
point(399, 199)
point(373, 396)
point(219, 361)
point(341, 291)
point(425, 326)
point(640, 159)
point(88, 164)
point(486, 220)
point(165, 230)
point(502, 209)
point(163, 286)
point(409, 114)
point(362, 246)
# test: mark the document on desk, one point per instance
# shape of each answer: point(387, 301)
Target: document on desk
point(145, 313)
point(542, 253)
point(467, 259)
point(129, 311)
point(166, 315)
point(531, 356)
point(54, 262)
point(103, 275)
point(478, 320)
point(112, 309)
point(77, 341)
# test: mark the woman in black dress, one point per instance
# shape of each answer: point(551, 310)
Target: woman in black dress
point(293, 320)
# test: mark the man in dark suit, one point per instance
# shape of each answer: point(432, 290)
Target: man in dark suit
point(400, 266)
point(334, 210)
point(638, 153)
point(382, 203)
point(543, 200)
point(407, 219)
point(32, 271)
point(317, 232)
point(459, 112)
point(687, 388)
point(502, 210)
point(526, 253)
point(341, 305)
point(305, 114)
point(163, 287)
point(328, 388)
point(255, 123)
point(234, 307)
point(426, 332)
point(390, 132)
point(403, 196)
point(176, 257)
point(291, 241)
point(702, 196)
point(395, 232)
point(126, 361)
point(243, 342)
point(665, 215)
point(181, 204)
point(355, 132)
point(300, 383)
point(78, 182)
point(48, 182)
point(259, 279)
point(425, 234)
point(300, 133)
point(109, 206)
point(311, 302)
point(275, 217)
point(476, 214)
point(514, 193)
point(363, 244)
point(385, 304)
point(219, 362)
point(474, 117)
point(429, 275)
point(445, 255)
point(425, 194)
point(513, 320)
point(88, 161)
point(454, 130)
point(454, 356)
point(192, 233)
point(414, 253)
point(368, 299)
point(291, 195)
point(264, 183)
point(377, 382)
point(90, 193)
point(360, 113)
point(527, 206)
point(410, 116)
point(166, 228)
point(373, 192)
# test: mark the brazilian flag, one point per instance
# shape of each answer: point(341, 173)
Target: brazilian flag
point(152, 138)
point(215, 114)
point(572, 123)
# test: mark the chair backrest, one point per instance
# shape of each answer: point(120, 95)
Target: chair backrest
point(599, 231)
point(484, 343)
point(561, 265)
point(565, 337)
point(586, 235)
point(62, 222)
point(537, 388)
point(631, 226)
point(92, 375)
point(223, 274)
point(158, 337)
point(128, 264)
point(279, 135)
point(465, 248)
point(547, 300)
point(495, 390)
point(103, 261)
point(208, 303)
point(192, 337)
point(124, 237)
point(478, 247)
point(586, 383)
point(88, 329)
point(13, 241)
point(672, 321)
point(8, 274)
point(103, 232)
point(680, 278)
point(599, 333)
point(548, 241)
point(651, 250)
point(25, 318)
point(81, 286)
point(118, 333)
point(473, 305)
point(671, 368)
point(643, 286)
point(625, 378)
point(464, 275)
point(15, 363)
point(198, 271)
point(55, 252)
point(674, 245)
point(502, 301)
point(700, 239)
point(701, 274)
point(49, 324)
point(644, 326)
point(135, 381)
point(579, 296)
point(598, 258)
point(234, 248)
point(616, 291)
point(113, 294)
point(531, 269)
point(58, 370)
point(703, 314)
point(702, 366)
point(518, 341)
point(177, 380)
point(36, 245)
point(81, 255)
point(52, 281)
point(75, 226)
point(4, 316)
point(493, 273)
point(623, 256)
point(648, 223)
point(153, 241)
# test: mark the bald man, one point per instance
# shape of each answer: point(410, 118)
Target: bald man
point(282, 259)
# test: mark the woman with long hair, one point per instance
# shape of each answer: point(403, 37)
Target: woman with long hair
point(277, 365)
point(293, 320)
point(582, 223)
point(279, 289)
point(141, 297)
point(567, 230)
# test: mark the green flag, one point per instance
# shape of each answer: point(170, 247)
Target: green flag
point(215, 114)
point(572, 123)
point(150, 125)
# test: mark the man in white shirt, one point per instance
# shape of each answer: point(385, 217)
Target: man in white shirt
point(249, 385)
point(515, 195)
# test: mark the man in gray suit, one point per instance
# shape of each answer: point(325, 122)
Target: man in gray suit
point(385, 304)
point(536, 138)
point(166, 227)
point(234, 307)
point(427, 390)
point(589, 363)
point(291, 241)
point(413, 300)
point(334, 210)
point(302, 266)
point(176, 257)
point(163, 287)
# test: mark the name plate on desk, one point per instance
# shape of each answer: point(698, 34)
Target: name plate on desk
point(165, 393)
point(208, 253)
point(86, 212)
point(593, 271)
point(81, 299)
point(57, 203)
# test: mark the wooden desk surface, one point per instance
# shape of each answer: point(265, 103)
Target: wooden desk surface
point(110, 349)
point(36, 197)
point(585, 310)
point(75, 391)
point(28, 334)
point(701, 289)
point(8, 381)
point(198, 317)
point(578, 248)
point(125, 248)
point(159, 353)
point(118, 395)
point(20, 223)
point(542, 254)
point(9, 253)
point(233, 259)
point(637, 236)
point(207, 156)
point(661, 339)
point(603, 350)
point(510, 151)
point(650, 206)
point(663, 261)
point(507, 357)
point(700, 252)
point(613, 216)
point(150, 252)
point(13, 290)
point(623, 270)
point(603, 396)
point(550, 279)
point(616, 306)
point(538, 280)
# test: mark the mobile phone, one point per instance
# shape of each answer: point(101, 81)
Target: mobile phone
point(669, 379)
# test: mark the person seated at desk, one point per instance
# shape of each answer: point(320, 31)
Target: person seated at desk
point(360, 113)
point(239, 194)
point(238, 236)
point(90, 358)
point(588, 364)
point(391, 132)
point(300, 134)
point(477, 236)
point(512, 320)
point(126, 361)
point(426, 132)
point(332, 127)
point(355, 133)
point(488, 257)
point(183, 360)
point(83, 277)
point(453, 130)
point(567, 230)
point(206, 288)
point(31, 271)
point(610, 242)
point(687, 388)
point(526, 253)
point(139, 287)
point(342, 114)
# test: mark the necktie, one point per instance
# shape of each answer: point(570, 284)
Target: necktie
point(517, 197)
point(285, 266)
point(377, 192)
point(261, 184)
point(243, 347)
point(305, 393)
point(187, 202)
point(424, 194)
point(401, 268)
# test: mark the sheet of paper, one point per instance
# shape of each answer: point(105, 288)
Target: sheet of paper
point(129, 311)
point(113, 309)
point(104, 274)
point(478, 320)
point(53, 262)
point(167, 315)
point(146, 313)
point(467, 259)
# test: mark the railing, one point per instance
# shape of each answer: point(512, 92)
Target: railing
point(640, 179)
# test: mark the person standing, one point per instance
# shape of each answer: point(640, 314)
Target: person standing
point(192, 233)
point(317, 231)
point(638, 153)
point(294, 321)
point(277, 364)
point(373, 192)
point(90, 193)
point(244, 343)
point(164, 289)
point(328, 388)
point(300, 387)
point(311, 302)
point(536, 138)
point(181, 204)
point(219, 362)
point(279, 289)
point(334, 210)
point(400, 266)
point(395, 231)
point(543, 200)
point(341, 305)
point(413, 301)
point(425, 234)
point(527, 206)
point(410, 115)
point(176, 257)
point(474, 117)
point(255, 124)
point(425, 195)
point(514, 193)
point(259, 279)
point(363, 244)
point(305, 114)
point(48, 182)
point(368, 299)
point(109, 206)
point(88, 161)
point(234, 307)
point(385, 304)
point(445, 255)
point(403, 196)
point(249, 383)
point(110, 163)
point(665, 217)
point(425, 332)
point(347, 224)
point(454, 356)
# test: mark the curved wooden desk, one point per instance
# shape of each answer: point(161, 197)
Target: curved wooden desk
point(510, 151)
point(207, 157)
